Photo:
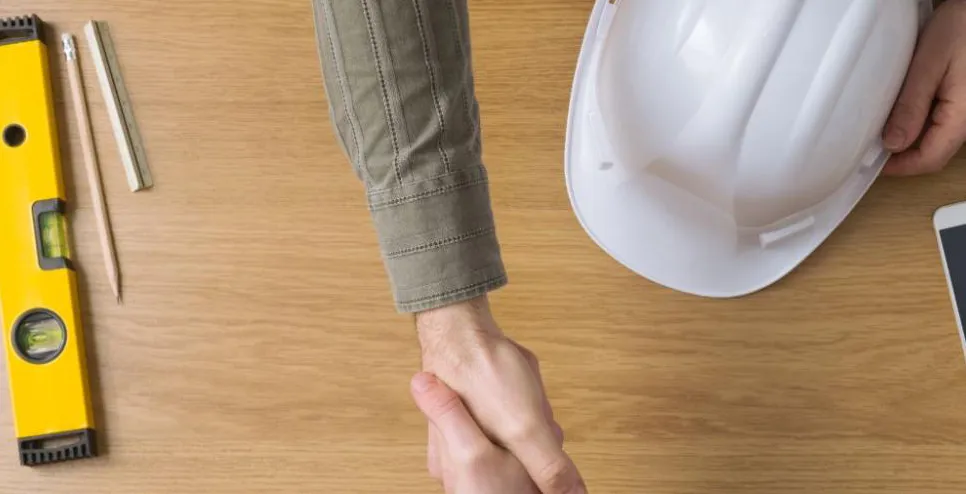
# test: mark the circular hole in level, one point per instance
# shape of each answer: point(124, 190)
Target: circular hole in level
point(14, 135)
point(39, 336)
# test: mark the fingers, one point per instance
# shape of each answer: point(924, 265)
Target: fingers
point(945, 133)
point(534, 364)
point(463, 439)
point(940, 144)
point(933, 98)
point(548, 465)
point(926, 73)
point(540, 449)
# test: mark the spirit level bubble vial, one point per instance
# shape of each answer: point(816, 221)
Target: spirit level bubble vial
point(42, 334)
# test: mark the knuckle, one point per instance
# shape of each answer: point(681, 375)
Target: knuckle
point(902, 108)
point(905, 113)
point(444, 406)
point(532, 358)
point(523, 430)
point(472, 457)
point(945, 113)
point(559, 477)
point(529, 356)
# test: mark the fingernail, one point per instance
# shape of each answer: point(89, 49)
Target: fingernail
point(894, 138)
point(423, 381)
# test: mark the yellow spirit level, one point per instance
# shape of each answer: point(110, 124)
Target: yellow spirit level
point(38, 287)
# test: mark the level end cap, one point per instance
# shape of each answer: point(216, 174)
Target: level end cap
point(56, 448)
point(21, 29)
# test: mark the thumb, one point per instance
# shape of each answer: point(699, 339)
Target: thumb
point(444, 409)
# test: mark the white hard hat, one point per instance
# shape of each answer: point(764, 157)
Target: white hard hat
point(713, 145)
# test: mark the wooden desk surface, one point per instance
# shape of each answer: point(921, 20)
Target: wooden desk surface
point(257, 350)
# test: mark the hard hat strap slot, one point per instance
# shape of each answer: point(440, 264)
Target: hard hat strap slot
point(772, 237)
point(875, 157)
point(607, 18)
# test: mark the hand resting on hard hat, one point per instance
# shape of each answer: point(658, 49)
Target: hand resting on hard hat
point(500, 384)
point(928, 124)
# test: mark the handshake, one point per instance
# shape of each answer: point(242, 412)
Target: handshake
point(491, 428)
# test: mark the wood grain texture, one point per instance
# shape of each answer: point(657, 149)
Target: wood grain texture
point(258, 352)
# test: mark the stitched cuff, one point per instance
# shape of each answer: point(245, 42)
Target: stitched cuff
point(438, 240)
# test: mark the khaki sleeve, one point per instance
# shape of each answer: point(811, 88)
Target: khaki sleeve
point(399, 79)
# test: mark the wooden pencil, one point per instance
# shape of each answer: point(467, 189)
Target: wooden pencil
point(91, 164)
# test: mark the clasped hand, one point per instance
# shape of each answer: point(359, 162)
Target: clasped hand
point(491, 426)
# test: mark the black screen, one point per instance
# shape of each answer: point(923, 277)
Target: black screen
point(954, 249)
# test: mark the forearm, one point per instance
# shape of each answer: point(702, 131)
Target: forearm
point(398, 75)
point(465, 322)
